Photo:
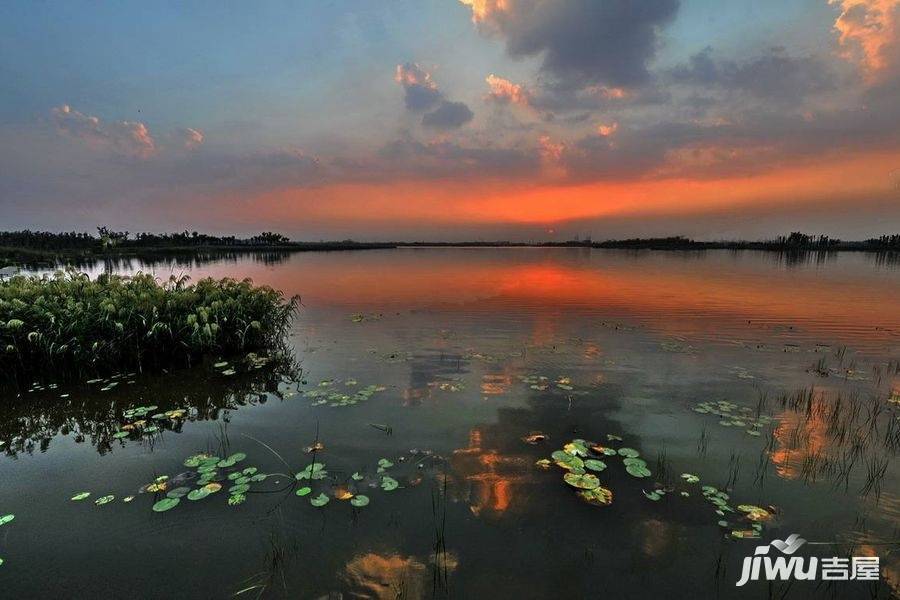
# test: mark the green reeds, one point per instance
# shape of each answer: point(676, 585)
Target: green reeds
point(70, 326)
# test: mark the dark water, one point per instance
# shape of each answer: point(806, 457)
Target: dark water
point(636, 340)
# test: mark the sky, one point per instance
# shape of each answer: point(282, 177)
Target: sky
point(453, 119)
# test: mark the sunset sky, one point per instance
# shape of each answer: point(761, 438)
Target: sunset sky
point(449, 119)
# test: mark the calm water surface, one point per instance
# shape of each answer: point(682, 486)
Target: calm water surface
point(470, 350)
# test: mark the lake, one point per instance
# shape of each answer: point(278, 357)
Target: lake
point(432, 382)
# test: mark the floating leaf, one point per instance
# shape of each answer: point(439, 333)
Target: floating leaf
point(634, 461)
point(359, 501)
point(534, 438)
point(198, 494)
point(259, 477)
point(304, 491)
point(594, 465)
point(250, 471)
point(120, 434)
point(238, 489)
point(320, 500)
point(237, 457)
point(389, 483)
point(195, 460)
point(629, 452)
point(6, 519)
point(655, 496)
point(584, 481)
point(599, 496)
point(356, 477)
point(385, 463)
point(543, 463)
point(166, 504)
point(690, 478)
point(80, 496)
point(104, 500)
point(212, 488)
point(178, 492)
point(637, 471)
point(343, 493)
point(235, 499)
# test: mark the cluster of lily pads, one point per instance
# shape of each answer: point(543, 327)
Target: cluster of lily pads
point(113, 381)
point(543, 383)
point(326, 393)
point(582, 460)
point(210, 475)
point(448, 386)
point(746, 522)
point(251, 361)
point(733, 415)
point(580, 456)
point(315, 471)
point(136, 422)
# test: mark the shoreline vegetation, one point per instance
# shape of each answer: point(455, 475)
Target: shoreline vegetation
point(39, 247)
point(71, 326)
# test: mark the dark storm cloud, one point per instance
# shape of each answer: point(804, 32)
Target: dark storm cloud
point(420, 91)
point(773, 74)
point(449, 115)
point(583, 42)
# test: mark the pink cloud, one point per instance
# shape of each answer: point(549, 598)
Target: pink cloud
point(191, 138)
point(505, 91)
point(869, 33)
point(131, 138)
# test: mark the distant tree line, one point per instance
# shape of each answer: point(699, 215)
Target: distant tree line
point(107, 238)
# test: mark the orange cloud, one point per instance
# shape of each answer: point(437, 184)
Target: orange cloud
point(607, 130)
point(868, 30)
point(491, 201)
point(482, 10)
point(505, 91)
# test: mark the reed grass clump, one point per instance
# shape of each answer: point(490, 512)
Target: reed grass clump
point(71, 325)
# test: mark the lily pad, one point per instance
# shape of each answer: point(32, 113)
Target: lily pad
point(629, 452)
point(198, 494)
point(584, 481)
point(166, 504)
point(385, 463)
point(359, 501)
point(104, 500)
point(213, 487)
point(637, 471)
point(655, 496)
point(235, 499)
point(690, 478)
point(304, 491)
point(237, 457)
point(389, 483)
point(634, 461)
point(356, 477)
point(178, 492)
point(320, 500)
point(599, 496)
point(80, 496)
point(238, 489)
point(594, 465)
point(6, 519)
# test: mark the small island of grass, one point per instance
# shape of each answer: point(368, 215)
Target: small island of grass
point(69, 325)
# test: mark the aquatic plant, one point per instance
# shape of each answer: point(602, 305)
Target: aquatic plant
point(72, 325)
